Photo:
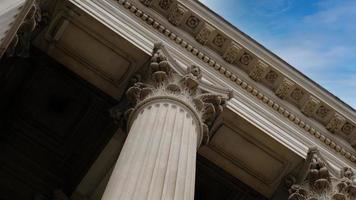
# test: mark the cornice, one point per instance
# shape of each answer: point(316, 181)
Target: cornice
point(236, 79)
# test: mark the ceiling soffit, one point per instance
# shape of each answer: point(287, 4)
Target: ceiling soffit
point(294, 102)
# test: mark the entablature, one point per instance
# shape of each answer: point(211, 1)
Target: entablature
point(143, 27)
point(232, 49)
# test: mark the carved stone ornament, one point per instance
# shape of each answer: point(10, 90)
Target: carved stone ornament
point(259, 71)
point(285, 88)
point(310, 106)
point(146, 2)
point(335, 123)
point(232, 53)
point(164, 82)
point(347, 128)
point(219, 40)
point(271, 76)
point(297, 94)
point(165, 4)
point(322, 111)
point(176, 15)
point(317, 182)
point(204, 34)
point(192, 22)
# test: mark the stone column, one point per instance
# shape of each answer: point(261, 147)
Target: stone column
point(168, 123)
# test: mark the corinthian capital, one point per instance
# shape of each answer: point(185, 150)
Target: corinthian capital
point(319, 181)
point(164, 82)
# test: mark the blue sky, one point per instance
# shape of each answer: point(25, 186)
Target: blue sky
point(318, 37)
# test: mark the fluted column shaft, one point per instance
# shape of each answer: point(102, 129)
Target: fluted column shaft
point(158, 159)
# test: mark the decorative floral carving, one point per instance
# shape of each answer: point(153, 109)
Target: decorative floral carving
point(165, 82)
point(177, 14)
point(146, 2)
point(219, 40)
point(245, 59)
point(165, 4)
point(321, 184)
point(335, 123)
point(271, 76)
point(285, 88)
point(347, 128)
point(192, 22)
point(259, 71)
point(322, 111)
point(297, 94)
point(204, 34)
point(232, 53)
point(310, 106)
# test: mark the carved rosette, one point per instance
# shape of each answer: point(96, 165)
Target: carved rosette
point(320, 184)
point(165, 83)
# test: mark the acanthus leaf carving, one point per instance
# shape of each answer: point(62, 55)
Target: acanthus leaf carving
point(317, 182)
point(165, 82)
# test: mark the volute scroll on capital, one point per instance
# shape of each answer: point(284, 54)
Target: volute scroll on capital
point(319, 181)
point(164, 81)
